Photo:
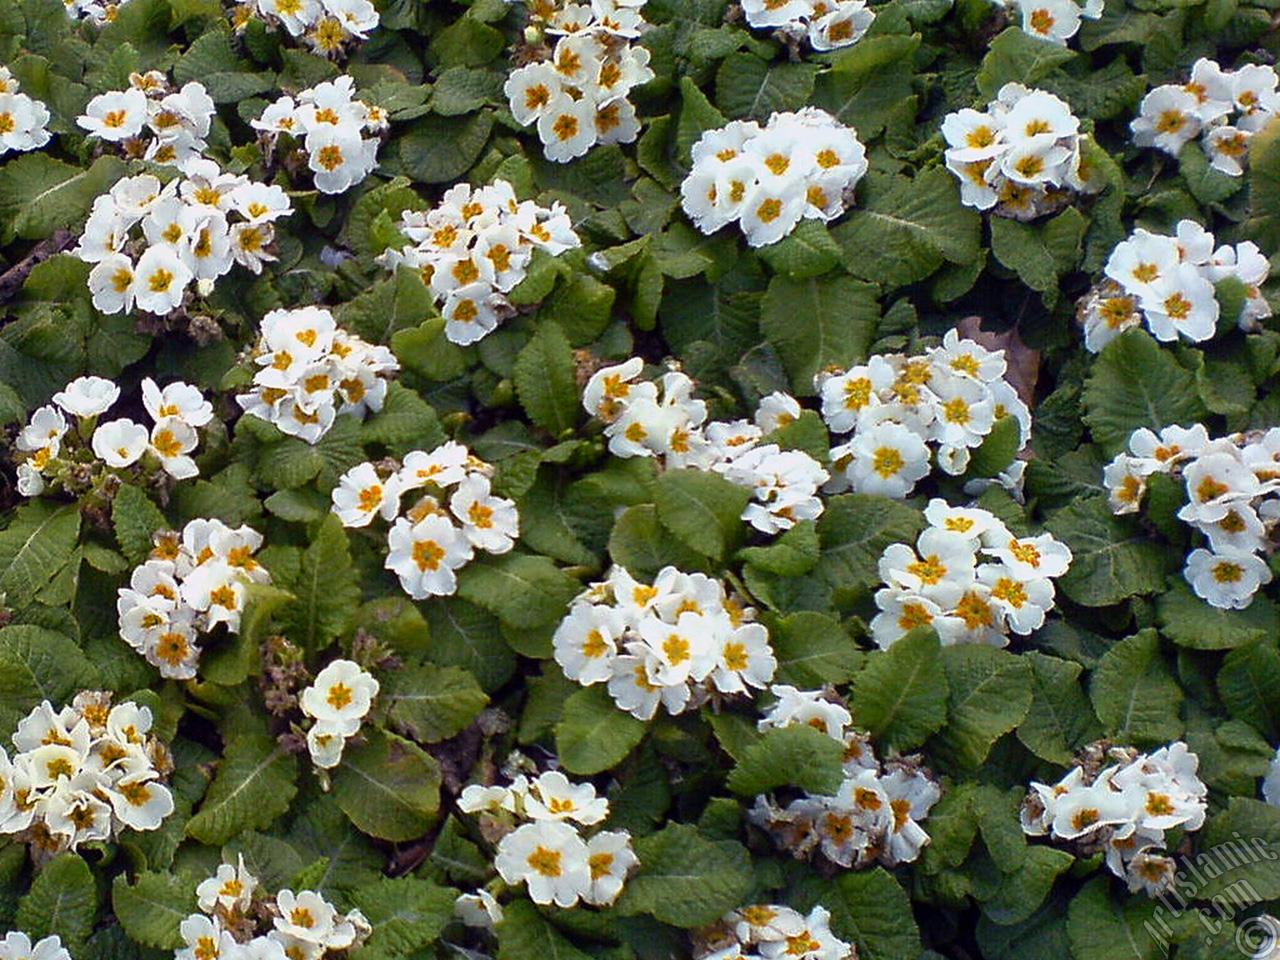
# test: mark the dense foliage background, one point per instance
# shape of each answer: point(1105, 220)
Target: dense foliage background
point(1128, 653)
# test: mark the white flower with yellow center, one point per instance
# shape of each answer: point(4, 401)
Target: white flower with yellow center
point(362, 495)
point(340, 696)
point(551, 796)
point(1226, 580)
point(424, 555)
point(115, 116)
point(120, 442)
point(550, 858)
point(231, 888)
point(87, 396)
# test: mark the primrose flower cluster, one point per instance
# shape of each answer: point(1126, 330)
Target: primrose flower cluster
point(940, 583)
point(152, 121)
point(329, 27)
point(83, 774)
point(801, 165)
point(312, 371)
point(678, 642)
point(578, 97)
point(1120, 802)
point(550, 852)
point(337, 701)
point(195, 227)
point(1225, 108)
point(641, 422)
point(1168, 283)
point(237, 920)
point(474, 248)
point(894, 406)
point(1021, 157)
point(23, 119)
point(826, 24)
point(192, 582)
point(769, 931)
point(456, 515)
point(16, 945)
point(1231, 485)
point(56, 454)
point(1054, 20)
point(876, 813)
point(329, 123)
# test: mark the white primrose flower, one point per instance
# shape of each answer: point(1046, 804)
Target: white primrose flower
point(340, 695)
point(1226, 580)
point(490, 523)
point(16, 945)
point(115, 116)
point(231, 888)
point(120, 443)
point(87, 396)
point(46, 428)
point(609, 859)
point(550, 858)
point(361, 495)
point(425, 554)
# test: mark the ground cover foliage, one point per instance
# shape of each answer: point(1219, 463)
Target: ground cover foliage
point(471, 681)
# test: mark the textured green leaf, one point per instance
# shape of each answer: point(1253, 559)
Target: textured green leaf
point(1060, 718)
point(1039, 253)
point(701, 509)
point(1111, 559)
point(1018, 56)
point(523, 934)
point(135, 519)
point(1249, 684)
point(686, 880)
point(854, 530)
point(812, 650)
point(748, 86)
point(594, 734)
point(430, 703)
point(39, 541)
point(439, 149)
point(253, 786)
point(1133, 694)
point(990, 695)
point(326, 588)
point(151, 908)
point(1190, 622)
point(817, 322)
point(873, 911)
point(545, 380)
point(520, 590)
point(39, 194)
point(798, 756)
point(63, 900)
point(901, 694)
point(388, 787)
point(405, 913)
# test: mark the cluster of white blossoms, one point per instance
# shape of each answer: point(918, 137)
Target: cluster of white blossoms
point(82, 774)
point(147, 242)
point(238, 921)
point(876, 813)
point(801, 165)
point(769, 931)
point(23, 119)
point(679, 642)
point(338, 700)
point(474, 247)
point(192, 582)
point(940, 583)
point(549, 851)
point(329, 124)
point(1168, 282)
point(663, 419)
point(1225, 108)
point(578, 96)
point(826, 24)
point(1021, 157)
point(152, 121)
point(455, 515)
point(54, 452)
point(17, 946)
point(1054, 20)
point(313, 371)
point(329, 27)
point(894, 407)
point(1231, 487)
point(1120, 802)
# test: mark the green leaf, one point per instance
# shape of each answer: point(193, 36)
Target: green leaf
point(868, 81)
point(702, 510)
point(818, 322)
point(424, 350)
point(1110, 558)
point(1042, 252)
point(1020, 893)
point(151, 908)
point(990, 695)
point(697, 116)
point(686, 880)
point(901, 694)
point(39, 541)
point(1100, 931)
point(405, 914)
point(1060, 718)
point(326, 588)
point(135, 519)
point(523, 934)
point(39, 194)
point(904, 228)
point(747, 86)
point(997, 450)
point(1133, 694)
point(521, 590)
point(234, 660)
point(253, 786)
point(854, 530)
point(545, 380)
point(464, 635)
point(1190, 622)
point(792, 554)
point(594, 734)
point(388, 787)
point(812, 650)
point(640, 544)
point(1264, 187)
point(439, 149)
point(805, 252)
point(1135, 383)
point(430, 703)
point(873, 911)
point(405, 422)
point(1243, 841)
point(1018, 56)
point(797, 756)
point(63, 900)
point(1249, 684)
point(38, 664)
